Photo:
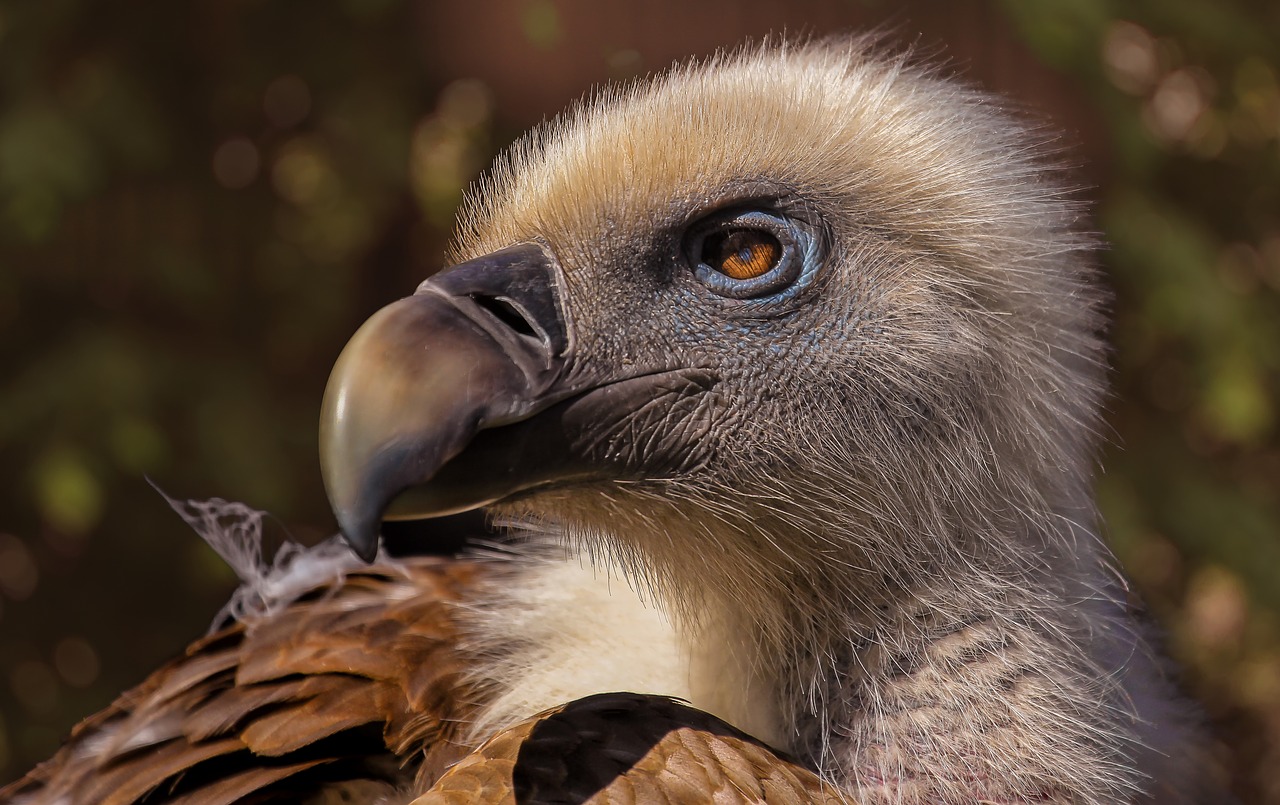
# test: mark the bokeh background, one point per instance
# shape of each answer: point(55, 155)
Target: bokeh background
point(200, 201)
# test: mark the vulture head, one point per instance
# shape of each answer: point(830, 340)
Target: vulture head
point(795, 353)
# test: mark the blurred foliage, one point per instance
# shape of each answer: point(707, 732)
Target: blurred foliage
point(200, 201)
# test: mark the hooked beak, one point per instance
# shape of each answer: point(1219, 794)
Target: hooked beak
point(459, 396)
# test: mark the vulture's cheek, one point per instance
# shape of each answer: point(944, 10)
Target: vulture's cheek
point(647, 427)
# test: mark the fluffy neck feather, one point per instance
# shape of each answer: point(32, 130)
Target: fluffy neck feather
point(1003, 676)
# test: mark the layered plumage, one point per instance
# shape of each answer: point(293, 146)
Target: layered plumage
point(842, 503)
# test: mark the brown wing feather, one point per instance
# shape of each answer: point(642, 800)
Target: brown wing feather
point(354, 681)
point(624, 748)
point(356, 685)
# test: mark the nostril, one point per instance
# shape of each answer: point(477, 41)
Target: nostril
point(511, 294)
point(507, 313)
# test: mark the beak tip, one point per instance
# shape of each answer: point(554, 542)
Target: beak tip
point(367, 551)
point(361, 535)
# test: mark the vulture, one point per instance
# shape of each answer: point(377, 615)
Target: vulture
point(777, 378)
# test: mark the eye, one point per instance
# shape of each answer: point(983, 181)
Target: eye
point(748, 254)
point(741, 254)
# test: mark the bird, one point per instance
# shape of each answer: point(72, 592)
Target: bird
point(778, 378)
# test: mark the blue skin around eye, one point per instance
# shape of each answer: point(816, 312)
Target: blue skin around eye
point(810, 261)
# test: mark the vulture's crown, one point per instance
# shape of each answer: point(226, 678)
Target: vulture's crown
point(780, 375)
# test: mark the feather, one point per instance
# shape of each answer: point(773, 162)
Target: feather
point(624, 748)
point(345, 683)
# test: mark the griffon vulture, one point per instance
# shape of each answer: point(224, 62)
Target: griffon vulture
point(780, 376)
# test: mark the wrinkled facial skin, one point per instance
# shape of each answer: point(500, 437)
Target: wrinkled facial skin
point(779, 360)
point(639, 307)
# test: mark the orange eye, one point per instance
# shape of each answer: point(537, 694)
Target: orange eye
point(742, 254)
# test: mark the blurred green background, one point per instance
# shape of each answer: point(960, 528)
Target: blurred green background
point(200, 201)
